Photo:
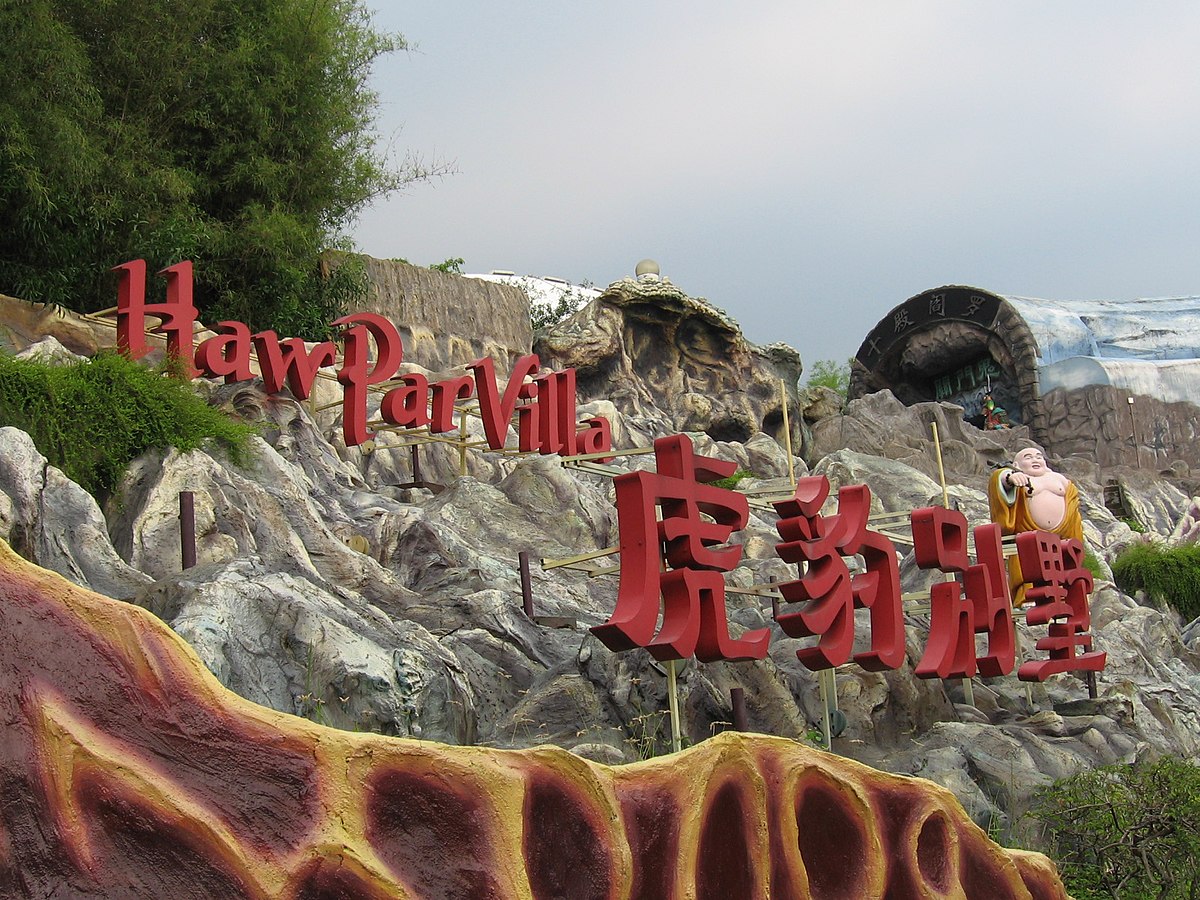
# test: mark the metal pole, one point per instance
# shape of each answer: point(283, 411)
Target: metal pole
point(526, 584)
point(416, 463)
point(737, 698)
point(187, 528)
point(673, 701)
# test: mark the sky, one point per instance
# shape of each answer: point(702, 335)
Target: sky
point(805, 166)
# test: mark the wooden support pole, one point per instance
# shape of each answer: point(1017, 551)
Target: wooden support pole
point(187, 528)
point(673, 702)
point(787, 432)
point(826, 727)
point(737, 699)
point(526, 584)
point(462, 448)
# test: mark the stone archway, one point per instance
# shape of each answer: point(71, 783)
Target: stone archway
point(953, 343)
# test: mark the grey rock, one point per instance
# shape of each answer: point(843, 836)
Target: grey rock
point(52, 521)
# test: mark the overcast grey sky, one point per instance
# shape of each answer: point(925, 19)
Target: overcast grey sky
point(805, 166)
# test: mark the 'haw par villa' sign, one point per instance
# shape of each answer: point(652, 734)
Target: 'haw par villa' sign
point(673, 522)
point(544, 404)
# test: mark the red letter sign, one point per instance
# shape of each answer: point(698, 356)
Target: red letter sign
point(693, 591)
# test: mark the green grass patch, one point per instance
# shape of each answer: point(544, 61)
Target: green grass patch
point(1170, 576)
point(91, 419)
point(733, 480)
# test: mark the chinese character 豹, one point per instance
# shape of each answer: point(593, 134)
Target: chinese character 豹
point(829, 593)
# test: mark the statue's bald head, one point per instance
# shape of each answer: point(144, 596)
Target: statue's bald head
point(1031, 461)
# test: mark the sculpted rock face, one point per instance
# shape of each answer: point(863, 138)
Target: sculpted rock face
point(880, 425)
point(1098, 422)
point(53, 521)
point(421, 632)
point(139, 775)
point(653, 351)
point(446, 320)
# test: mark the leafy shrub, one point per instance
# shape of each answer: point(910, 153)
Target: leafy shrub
point(93, 418)
point(1092, 563)
point(545, 315)
point(1169, 576)
point(250, 154)
point(830, 374)
point(1126, 831)
point(451, 266)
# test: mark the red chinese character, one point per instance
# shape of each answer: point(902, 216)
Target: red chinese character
point(693, 590)
point(832, 594)
point(980, 605)
point(1060, 586)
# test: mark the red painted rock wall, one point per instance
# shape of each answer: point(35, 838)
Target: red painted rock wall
point(126, 770)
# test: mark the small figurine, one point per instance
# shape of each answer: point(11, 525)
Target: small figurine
point(994, 417)
point(1030, 496)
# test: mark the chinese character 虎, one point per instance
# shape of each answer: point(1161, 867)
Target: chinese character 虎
point(696, 517)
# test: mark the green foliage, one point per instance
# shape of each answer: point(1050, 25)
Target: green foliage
point(1169, 576)
point(827, 373)
point(452, 266)
point(92, 418)
point(543, 315)
point(733, 480)
point(1126, 831)
point(1134, 525)
point(1092, 563)
point(237, 135)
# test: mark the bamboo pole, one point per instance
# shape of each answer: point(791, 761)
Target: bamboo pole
point(826, 727)
point(787, 432)
point(673, 701)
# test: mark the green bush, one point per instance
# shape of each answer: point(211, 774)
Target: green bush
point(451, 266)
point(543, 316)
point(1130, 832)
point(830, 374)
point(1169, 576)
point(93, 418)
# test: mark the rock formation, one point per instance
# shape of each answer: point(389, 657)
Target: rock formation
point(446, 320)
point(329, 589)
point(677, 362)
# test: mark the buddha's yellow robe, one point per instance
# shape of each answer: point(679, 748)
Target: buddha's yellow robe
point(1014, 518)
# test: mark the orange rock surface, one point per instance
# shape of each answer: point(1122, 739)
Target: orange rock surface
point(129, 771)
